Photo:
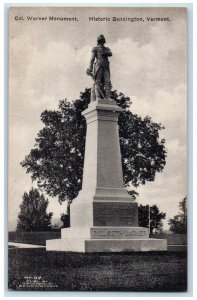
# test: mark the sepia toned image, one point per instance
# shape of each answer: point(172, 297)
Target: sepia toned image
point(97, 149)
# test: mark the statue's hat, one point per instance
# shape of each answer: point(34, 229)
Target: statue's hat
point(101, 38)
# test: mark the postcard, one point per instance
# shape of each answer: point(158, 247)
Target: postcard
point(97, 149)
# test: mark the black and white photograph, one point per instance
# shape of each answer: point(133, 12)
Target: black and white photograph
point(97, 152)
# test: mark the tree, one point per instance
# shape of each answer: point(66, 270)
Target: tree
point(33, 215)
point(56, 161)
point(179, 223)
point(65, 218)
point(156, 217)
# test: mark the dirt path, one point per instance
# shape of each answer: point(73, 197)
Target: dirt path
point(21, 245)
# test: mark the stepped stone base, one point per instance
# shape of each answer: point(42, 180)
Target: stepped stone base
point(125, 245)
point(67, 245)
point(106, 239)
point(106, 245)
point(105, 233)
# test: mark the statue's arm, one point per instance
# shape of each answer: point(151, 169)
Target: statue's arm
point(107, 52)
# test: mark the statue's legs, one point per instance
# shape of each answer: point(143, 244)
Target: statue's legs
point(107, 81)
point(103, 81)
point(98, 88)
point(98, 85)
point(108, 88)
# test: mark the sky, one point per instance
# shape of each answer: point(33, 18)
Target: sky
point(48, 60)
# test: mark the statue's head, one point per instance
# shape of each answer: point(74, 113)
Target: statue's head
point(101, 39)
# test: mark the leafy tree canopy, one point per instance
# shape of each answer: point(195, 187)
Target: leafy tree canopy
point(178, 224)
point(33, 215)
point(56, 161)
point(156, 218)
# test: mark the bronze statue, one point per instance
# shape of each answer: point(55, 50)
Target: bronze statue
point(99, 70)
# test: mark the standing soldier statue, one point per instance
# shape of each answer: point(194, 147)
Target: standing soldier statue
point(99, 70)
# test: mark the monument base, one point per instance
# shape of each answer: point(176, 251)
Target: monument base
point(125, 245)
point(106, 239)
point(104, 218)
point(82, 245)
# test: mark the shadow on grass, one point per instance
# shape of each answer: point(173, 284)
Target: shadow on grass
point(37, 269)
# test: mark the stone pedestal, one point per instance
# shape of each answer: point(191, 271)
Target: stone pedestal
point(103, 216)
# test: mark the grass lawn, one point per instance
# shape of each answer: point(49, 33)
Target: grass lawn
point(37, 269)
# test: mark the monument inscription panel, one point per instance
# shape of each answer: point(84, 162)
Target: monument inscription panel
point(118, 233)
point(115, 214)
